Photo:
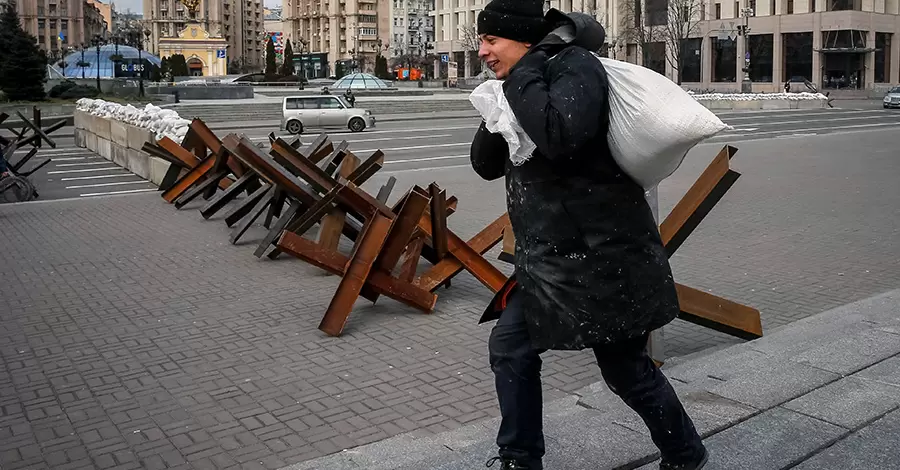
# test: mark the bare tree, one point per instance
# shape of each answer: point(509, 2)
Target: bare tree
point(640, 27)
point(682, 23)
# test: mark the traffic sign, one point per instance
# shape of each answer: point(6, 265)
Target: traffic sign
point(445, 58)
point(220, 54)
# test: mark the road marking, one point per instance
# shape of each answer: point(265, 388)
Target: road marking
point(68, 159)
point(829, 119)
point(814, 130)
point(127, 191)
point(79, 178)
point(86, 170)
point(415, 147)
point(61, 165)
point(431, 168)
point(99, 185)
point(426, 159)
point(377, 139)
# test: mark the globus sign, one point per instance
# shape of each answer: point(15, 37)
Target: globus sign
point(133, 68)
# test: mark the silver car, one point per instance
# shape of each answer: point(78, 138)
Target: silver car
point(300, 112)
point(892, 98)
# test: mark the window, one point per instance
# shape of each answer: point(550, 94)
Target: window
point(812, 6)
point(718, 11)
point(883, 58)
point(797, 57)
point(724, 58)
point(761, 48)
point(737, 9)
point(790, 7)
point(690, 59)
point(329, 103)
point(293, 103)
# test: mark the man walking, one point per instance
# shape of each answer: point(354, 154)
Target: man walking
point(591, 270)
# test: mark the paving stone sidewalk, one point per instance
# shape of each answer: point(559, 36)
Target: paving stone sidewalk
point(820, 394)
point(132, 335)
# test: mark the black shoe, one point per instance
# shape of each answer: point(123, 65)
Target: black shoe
point(695, 465)
point(507, 463)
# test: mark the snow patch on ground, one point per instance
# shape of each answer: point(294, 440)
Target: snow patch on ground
point(163, 122)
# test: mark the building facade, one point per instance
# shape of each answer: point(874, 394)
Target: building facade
point(95, 24)
point(456, 37)
point(412, 28)
point(57, 24)
point(834, 44)
point(239, 22)
point(205, 54)
point(106, 11)
point(331, 32)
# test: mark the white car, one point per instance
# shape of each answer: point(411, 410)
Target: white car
point(300, 112)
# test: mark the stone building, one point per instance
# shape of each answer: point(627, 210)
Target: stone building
point(328, 32)
point(239, 22)
point(834, 44)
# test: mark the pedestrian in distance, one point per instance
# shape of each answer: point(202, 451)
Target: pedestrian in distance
point(591, 271)
point(351, 99)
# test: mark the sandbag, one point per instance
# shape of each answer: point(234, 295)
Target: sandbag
point(653, 122)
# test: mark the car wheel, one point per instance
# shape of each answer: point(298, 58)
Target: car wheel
point(357, 124)
point(885, 106)
point(295, 127)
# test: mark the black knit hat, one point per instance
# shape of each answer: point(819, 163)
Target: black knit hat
point(518, 20)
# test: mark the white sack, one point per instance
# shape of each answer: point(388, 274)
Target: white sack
point(653, 122)
point(489, 100)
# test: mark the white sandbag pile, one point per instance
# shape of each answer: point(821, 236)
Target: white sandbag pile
point(805, 96)
point(163, 122)
point(653, 121)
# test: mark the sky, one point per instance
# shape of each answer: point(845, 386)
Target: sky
point(136, 6)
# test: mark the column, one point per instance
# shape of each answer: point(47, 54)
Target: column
point(895, 57)
point(817, 56)
point(778, 78)
point(870, 62)
point(740, 60)
point(706, 64)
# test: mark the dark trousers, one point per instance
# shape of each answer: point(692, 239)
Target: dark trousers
point(627, 369)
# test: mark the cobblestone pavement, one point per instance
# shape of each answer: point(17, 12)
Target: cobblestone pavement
point(133, 335)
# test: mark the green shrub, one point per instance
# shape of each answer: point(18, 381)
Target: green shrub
point(61, 88)
point(79, 91)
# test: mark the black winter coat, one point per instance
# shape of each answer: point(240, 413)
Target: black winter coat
point(589, 257)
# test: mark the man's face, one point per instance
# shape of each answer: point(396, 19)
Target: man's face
point(501, 54)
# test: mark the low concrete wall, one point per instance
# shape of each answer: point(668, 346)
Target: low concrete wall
point(119, 143)
point(749, 105)
point(210, 92)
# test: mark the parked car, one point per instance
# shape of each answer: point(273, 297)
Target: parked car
point(300, 112)
point(892, 98)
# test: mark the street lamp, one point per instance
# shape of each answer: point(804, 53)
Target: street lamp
point(744, 30)
point(97, 41)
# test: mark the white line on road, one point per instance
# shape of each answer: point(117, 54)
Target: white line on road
point(426, 159)
point(119, 192)
point(431, 168)
point(80, 178)
point(61, 165)
point(415, 147)
point(98, 185)
point(814, 130)
point(829, 119)
point(69, 159)
point(378, 139)
point(86, 170)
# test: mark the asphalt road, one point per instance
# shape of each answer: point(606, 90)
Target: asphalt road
point(430, 144)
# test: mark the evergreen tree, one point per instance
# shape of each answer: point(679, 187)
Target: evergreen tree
point(271, 68)
point(178, 66)
point(381, 68)
point(23, 66)
point(164, 70)
point(287, 67)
